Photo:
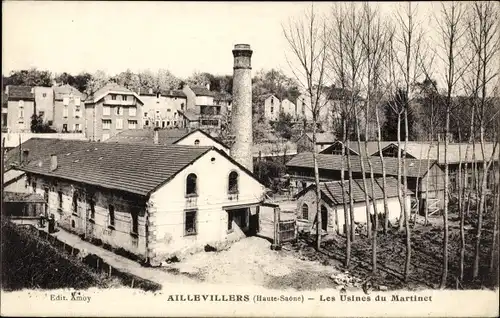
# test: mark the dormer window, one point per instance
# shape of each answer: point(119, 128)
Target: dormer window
point(191, 185)
point(113, 97)
point(124, 97)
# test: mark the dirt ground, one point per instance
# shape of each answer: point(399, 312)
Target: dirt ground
point(252, 262)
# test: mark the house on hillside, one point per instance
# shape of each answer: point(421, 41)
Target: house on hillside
point(161, 108)
point(425, 179)
point(183, 137)
point(202, 111)
point(289, 108)
point(272, 108)
point(110, 110)
point(457, 152)
point(68, 109)
point(355, 148)
point(332, 203)
point(323, 141)
point(20, 108)
point(154, 202)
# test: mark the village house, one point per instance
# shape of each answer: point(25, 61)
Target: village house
point(332, 203)
point(152, 201)
point(202, 111)
point(424, 178)
point(161, 109)
point(323, 141)
point(182, 137)
point(110, 110)
point(20, 108)
point(68, 114)
point(272, 108)
point(289, 108)
point(44, 103)
point(457, 152)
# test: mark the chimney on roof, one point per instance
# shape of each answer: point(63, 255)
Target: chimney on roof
point(25, 156)
point(155, 136)
point(53, 162)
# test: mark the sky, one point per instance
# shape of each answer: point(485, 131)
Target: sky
point(183, 37)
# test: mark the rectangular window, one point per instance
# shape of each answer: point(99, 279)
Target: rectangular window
point(66, 101)
point(111, 219)
point(65, 111)
point(145, 114)
point(106, 110)
point(163, 124)
point(132, 124)
point(77, 127)
point(41, 113)
point(146, 123)
point(113, 97)
point(168, 110)
point(21, 113)
point(106, 124)
point(60, 200)
point(92, 209)
point(65, 127)
point(78, 112)
point(132, 111)
point(135, 221)
point(75, 203)
point(119, 123)
point(124, 97)
point(190, 222)
point(77, 101)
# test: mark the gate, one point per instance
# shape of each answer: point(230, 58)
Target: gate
point(287, 231)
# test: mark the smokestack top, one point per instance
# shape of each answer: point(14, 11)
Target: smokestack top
point(242, 47)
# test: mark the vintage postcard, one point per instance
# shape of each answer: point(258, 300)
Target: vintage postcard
point(227, 159)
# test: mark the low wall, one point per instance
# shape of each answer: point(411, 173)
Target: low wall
point(98, 264)
point(12, 139)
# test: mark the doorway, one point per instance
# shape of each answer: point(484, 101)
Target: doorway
point(324, 218)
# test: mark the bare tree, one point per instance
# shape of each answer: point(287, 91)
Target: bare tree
point(308, 41)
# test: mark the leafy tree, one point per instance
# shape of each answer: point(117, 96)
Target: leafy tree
point(31, 77)
point(96, 82)
point(39, 126)
point(284, 125)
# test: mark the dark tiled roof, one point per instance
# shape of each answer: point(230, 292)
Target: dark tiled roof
point(38, 147)
point(333, 190)
point(133, 168)
point(20, 92)
point(22, 197)
point(414, 167)
point(201, 91)
point(359, 147)
point(100, 93)
point(189, 115)
point(146, 136)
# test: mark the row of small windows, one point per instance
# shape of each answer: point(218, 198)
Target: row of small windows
point(192, 184)
point(106, 111)
point(106, 124)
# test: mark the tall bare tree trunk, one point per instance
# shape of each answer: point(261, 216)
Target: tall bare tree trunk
point(318, 190)
point(351, 200)
point(344, 201)
point(363, 171)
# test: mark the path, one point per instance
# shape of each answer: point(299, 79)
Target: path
point(119, 262)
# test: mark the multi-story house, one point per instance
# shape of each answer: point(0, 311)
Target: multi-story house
point(288, 107)
point(201, 111)
point(110, 110)
point(161, 109)
point(44, 103)
point(272, 108)
point(68, 109)
point(20, 108)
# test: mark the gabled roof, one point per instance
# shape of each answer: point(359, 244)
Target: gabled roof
point(61, 91)
point(134, 168)
point(204, 133)
point(111, 88)
point(189, 115)
point(323, 138)
point(146, 136)
point(201, 91)
point(414, 167)
point(333, 190)
point(421, 150)
point(15, 92)
point(358, 148)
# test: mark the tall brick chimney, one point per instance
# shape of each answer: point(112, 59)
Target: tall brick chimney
point(241, 114)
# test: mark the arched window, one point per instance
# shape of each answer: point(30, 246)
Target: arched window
point(196, 142)
point(191, 186)
point(233, 182)
point(305, 212)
